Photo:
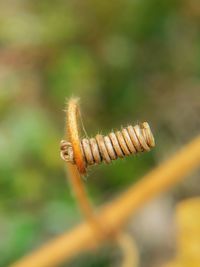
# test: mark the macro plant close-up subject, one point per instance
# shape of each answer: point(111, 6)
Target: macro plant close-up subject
point(99, 133)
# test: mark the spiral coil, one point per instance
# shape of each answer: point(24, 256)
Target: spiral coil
point(130, 140)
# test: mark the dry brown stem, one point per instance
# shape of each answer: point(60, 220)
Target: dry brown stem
point(73, 134)
point(74, 173)
point(116, 213)
point(126, 245)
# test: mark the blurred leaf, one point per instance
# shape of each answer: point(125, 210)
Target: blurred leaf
point(188, 239)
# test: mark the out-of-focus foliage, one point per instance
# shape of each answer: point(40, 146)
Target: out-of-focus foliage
point(129, 61)
point(188, 237)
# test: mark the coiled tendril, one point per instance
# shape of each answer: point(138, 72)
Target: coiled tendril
point(129, 140)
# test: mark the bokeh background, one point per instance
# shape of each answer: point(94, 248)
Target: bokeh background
point(128, 61)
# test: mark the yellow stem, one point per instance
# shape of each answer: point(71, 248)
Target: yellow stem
point(116, 213)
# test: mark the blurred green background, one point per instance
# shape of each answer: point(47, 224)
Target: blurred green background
point(128, 61)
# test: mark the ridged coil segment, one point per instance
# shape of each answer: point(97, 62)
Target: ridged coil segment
point(130, 140)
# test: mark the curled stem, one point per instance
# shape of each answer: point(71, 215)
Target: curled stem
point(80, 167)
